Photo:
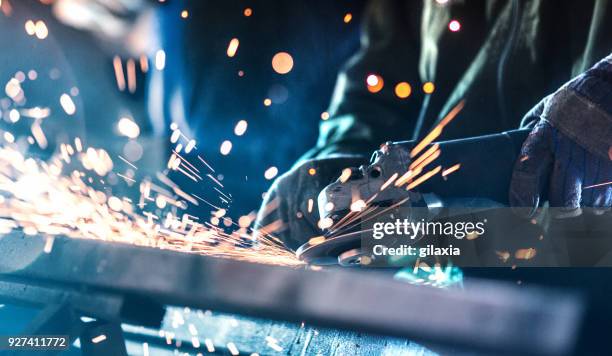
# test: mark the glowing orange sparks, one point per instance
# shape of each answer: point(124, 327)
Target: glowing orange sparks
point(450, 170)
point(437, 130)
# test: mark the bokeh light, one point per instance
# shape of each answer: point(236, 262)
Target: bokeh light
point(403, 90)
point(454, 26)
point(348, 17)
point(128, 128)
point(271, 173)
point(67, 104)
point(41, 30)
point(240, 128)
point(160, 59)
point(248, 12)
point(232, 47)
point(226, 147)
point(429, 88)
point(282, 63)
point(374, 83)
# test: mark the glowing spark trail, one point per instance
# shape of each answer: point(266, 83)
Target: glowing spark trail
point(38, 198)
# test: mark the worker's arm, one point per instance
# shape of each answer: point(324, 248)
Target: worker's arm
point(567, 159)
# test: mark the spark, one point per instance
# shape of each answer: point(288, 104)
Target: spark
point(226, 147)
point(39, 135)
point(160, 59)
point(127, 162)
point(435, 133)
point(240, 128)
point(450, 170)
point(423, 178)
point(190, 146)
point(525, 253)
point(324, 115)
point(67, 104)
point(232, 47)
point(119, 76)
point(14, 115)
point(206, 164)
point(215, 180)
point(128, 128)
point(144, 63)
point(184, 14)
point(425, 156)
point(126, 178)
point(131, 75)
point(48, 244)
point(210, 347)
point(347, 17)
point(248, 12)
point(9, 137)
point(98, 339)
point(358, 205)
point(346, 175)
point(597, 185)
point(270, 173)
point(389, 181)
point(205, 201)
point(30, 27)
point(13, 88)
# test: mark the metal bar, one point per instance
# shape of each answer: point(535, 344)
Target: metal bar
point(488, 316)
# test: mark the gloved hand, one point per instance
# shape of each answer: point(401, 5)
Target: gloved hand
point(567, 158)
point(289, 210)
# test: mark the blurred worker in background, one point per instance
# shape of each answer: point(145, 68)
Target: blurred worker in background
point(502, 58)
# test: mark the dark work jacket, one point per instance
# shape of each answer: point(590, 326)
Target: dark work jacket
point(506, 57)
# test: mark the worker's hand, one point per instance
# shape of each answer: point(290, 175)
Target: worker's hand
point(567, 158)
point(552, 165)
point(289, 210)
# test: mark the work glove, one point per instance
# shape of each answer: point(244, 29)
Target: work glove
point(567, 158)
point(289, 210)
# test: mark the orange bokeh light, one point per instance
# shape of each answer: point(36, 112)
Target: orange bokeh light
point(403, 90)
point(282, 63)
point(374, 83)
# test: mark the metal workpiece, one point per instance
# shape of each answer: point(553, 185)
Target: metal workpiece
point(485, 316)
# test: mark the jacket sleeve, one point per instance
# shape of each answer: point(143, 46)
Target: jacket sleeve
point(361, 120)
